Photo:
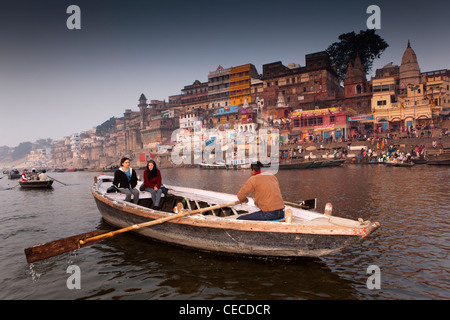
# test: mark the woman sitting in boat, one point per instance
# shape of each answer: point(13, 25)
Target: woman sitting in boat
point(25, 175)
point(152, 183)
point(125, 179)
point(266, 195)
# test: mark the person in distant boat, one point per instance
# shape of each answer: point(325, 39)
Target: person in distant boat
point(152, 183)
point(125, 179)
point(34, 174)
point(25, 175)
point(43, 175)
point(266, 195)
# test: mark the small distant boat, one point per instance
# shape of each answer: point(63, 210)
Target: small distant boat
point(36, 184)
point(328, 163)
point(312, 164)
point(439, 162)
point(296, 165)
point(14, 174)
point(212, 166)
point(419, 161)
point(399, 164)
point(238, 166)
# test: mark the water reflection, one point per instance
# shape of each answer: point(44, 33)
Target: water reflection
point(160, 271)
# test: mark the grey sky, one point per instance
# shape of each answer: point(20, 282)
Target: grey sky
point(55, 81)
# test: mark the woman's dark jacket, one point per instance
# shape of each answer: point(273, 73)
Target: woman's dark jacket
point(121, 180)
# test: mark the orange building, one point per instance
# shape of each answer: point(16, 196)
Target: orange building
point(240, 83)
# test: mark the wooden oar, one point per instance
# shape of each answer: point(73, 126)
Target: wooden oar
point(13, 187)
point(57, 247)
point(57, 180)
point(308, 204)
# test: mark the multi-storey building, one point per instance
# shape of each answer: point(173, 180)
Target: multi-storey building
point(438, 90)
point(240, 79)
point(320, 124)
point(218, 88)
point(195, 96)
point(399, 101)
point(192, 120)
point(61, 151)
point(313, 86)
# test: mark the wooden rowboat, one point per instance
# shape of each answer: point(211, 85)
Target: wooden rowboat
point(399, 164)
point(305, 234)
point(14, 175)
point(312, 164)
point(212, 166)
point(36, 184)
point(439, 162)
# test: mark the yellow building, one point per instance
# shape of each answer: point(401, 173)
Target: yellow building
point(396, 112)
point(400, 101)
point(438, 89)
point(240, 83)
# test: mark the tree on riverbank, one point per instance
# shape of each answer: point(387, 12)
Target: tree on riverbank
point(367, 45)
point(106, 127)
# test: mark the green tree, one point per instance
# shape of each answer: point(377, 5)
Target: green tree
point(366, 44)
point(106, 127)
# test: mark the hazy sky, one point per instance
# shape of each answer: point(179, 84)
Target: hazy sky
point(55, 81)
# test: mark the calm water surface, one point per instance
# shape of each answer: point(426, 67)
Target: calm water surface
point(411, 248)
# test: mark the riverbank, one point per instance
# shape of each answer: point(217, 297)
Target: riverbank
point(288, 152)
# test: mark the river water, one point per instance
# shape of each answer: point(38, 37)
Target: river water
point(411, 249)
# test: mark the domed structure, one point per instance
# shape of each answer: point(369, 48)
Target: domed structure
point(409, 69)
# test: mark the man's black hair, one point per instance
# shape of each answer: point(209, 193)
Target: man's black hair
point(256, 166)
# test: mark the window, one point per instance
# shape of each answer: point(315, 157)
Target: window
point(319, 121)
point(381, 103)
point(332, 119)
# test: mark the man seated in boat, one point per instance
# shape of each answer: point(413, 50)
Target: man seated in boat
point(266, 195)
point(34, 174)
point(43, 176)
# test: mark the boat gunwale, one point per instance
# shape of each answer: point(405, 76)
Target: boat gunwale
point(36, 183)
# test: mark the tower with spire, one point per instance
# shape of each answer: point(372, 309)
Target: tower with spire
point(355, 82)
point(357, 92)
point(409, 69)
point(143, 110)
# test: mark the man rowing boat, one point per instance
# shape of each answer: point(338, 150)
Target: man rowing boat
point(266, 195)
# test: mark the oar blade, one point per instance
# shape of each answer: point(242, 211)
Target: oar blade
point(57, 247)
